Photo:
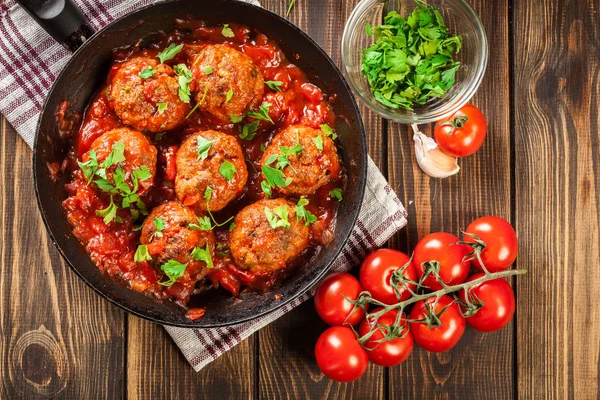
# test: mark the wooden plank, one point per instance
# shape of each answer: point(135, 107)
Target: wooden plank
point(557, 94)
point(287, 368)
point(481, 365)
point(57, 337)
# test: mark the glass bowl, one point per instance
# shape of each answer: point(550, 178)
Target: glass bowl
point(460, 20)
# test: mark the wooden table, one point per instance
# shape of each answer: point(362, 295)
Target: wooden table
point(539, 168)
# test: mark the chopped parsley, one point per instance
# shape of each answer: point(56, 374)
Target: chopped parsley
point(283, 159)
point(262, 113)
point(275, 85)
point(185, 77)
point(173, 270)
point(109, 213)
point(236, 118)
point(227, 32)
point(289, 10)
point(200, 254)
point(303, 214)
point(273, 178)
point(89, 167)
point(203, 224)
point(207, 196)
point(336, 193)
point(170, 52)
point(227, 170)
point(161, 107)
point(248, 131)
point(203, 147)
point(328, 131)
point(147, 72)
point(141, 254)
point(160, 226)
point(229, 95)
point(411, 60)
point(208, 70)
point(278, 218)
point(232, 227)
point(319, 142)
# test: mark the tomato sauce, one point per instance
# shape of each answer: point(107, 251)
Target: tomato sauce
point(112, 246)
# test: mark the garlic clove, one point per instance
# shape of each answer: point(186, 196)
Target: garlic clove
point(433, 161)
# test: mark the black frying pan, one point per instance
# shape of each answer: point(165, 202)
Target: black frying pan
point(83, 75)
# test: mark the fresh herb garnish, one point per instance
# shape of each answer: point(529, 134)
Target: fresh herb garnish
point(185, 77)
point(208, 70)
point(200, 254)
point(411, 60)
point(289, 10)
point(319, 142)
point(207, 196)
point(161, 107)
point(274, 178)
point(262, 113)
point(109, 213)
point(236, 118)
point(275, 85)
point(303, 214)
point(232, 226)
point(160, 226)
point(173, 270)
point(203, 147)
point(147, 72)
point(141, 254)
point(227, 170)
point(247, 131)
point(198, 103)
point(227, 32)
point(328, 131)
point(203, 224)
point(171, 51)
point(89, 167)
point(107, 93)
point(336, 193)
point(229, 95)
point(278, 218)
point(283, 159)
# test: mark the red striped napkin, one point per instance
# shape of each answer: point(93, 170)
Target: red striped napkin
point(30, 61)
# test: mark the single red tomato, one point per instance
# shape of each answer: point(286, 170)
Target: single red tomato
point(339, 355)
point(497, 301)
point(462, 133)
point(383, 266)
point(497, 241)
point(389, 352)
point(439, 252)
point(332, 306)
point(442, 327)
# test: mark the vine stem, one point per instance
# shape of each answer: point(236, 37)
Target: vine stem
point(445, 290)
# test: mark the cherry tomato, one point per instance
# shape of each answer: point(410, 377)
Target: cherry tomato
point(462, 133)
point(501, 244)
point(441, 333)
point(332, 306)
point(389, 352)
point(376, 273)
point(498, 304)
point(439, 251)
point(339, 355)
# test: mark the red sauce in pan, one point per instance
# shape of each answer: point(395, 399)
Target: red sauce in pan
point(112, 246)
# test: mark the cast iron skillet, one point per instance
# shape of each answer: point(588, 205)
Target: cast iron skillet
point(85, 72)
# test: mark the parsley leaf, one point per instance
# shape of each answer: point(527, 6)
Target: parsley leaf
point(303, 214)
point(227, 170)
point(116, 155)
point(185, 77)
point(109, 213)
point(227, 32)
point(147, 72)
point(89, 167)
point(236, 118)
point(232, 227)
point(203, 224)
point(208, 193)
point(278, 218)
point(203, 147)
point(200, 254)
point(171, 51)
point(160, 226)
point(319, 142)
point(275, 85)
point(229, 95)
point(173, 270)
point(161, 107)
point(328, 131)
point(289, 10)
point(262, 113)
point(208, 70)
point(275, 177)
point(336, 193)
point(283, 159)
point(248, 131)
point(141, 254)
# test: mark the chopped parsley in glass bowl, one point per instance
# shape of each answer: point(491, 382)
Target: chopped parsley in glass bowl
point(414, 61)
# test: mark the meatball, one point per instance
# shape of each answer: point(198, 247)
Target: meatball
point(176, 240)
point(219, 69)
point(150, 103)
point(257, 246)
point(138, 151)
point(310, 168)
point(212, 159)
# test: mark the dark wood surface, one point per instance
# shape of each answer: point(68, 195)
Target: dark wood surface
point(539, 168)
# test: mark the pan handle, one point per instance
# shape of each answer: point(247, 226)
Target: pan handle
point(62, 19)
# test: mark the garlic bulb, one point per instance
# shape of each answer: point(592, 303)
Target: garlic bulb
point(433, 161)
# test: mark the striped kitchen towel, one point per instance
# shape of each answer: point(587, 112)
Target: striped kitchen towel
point(30, 61)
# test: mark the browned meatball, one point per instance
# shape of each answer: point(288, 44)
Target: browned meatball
point(219, 69)
point(176, 241)
point(214, 159)
point(257, 246)
point(150, 103)
point(312, 167)
point(138, 152)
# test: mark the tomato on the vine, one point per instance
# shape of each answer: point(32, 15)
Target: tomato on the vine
point(440, 327)
point(462, 133)
point(331, 303)
point(497, 241)
point(339, 355)
point(494, 301)
point(439, 253)
point(382, 273)
point(390, 352)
